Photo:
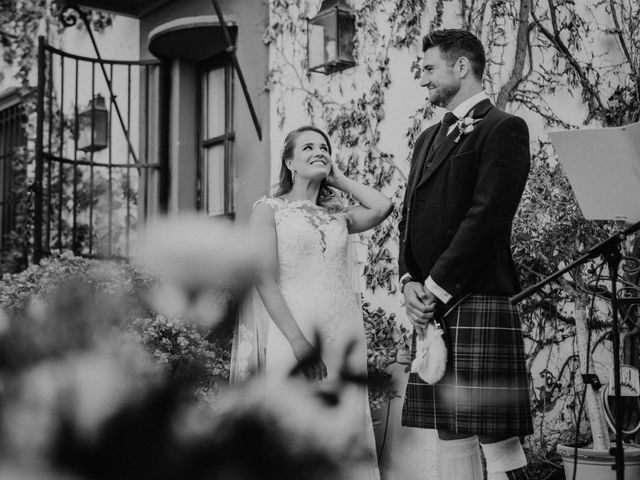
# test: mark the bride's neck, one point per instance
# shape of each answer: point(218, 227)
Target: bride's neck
point(304, 191)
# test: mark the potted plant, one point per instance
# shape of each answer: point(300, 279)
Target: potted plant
point(387, 340)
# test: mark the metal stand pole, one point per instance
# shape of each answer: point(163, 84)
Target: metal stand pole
point(613, 262)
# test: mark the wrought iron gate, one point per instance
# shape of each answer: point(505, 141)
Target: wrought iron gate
point(12, 137)
point(101, 165)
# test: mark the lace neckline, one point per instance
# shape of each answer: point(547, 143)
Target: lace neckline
point(298, 203)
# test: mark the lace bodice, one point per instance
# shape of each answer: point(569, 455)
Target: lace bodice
point(313, 266)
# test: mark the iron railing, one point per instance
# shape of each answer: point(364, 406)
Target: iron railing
point(90, 201)
point(12, 137)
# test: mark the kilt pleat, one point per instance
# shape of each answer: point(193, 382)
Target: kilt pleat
point(485, 389)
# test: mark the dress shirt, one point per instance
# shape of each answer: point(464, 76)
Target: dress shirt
point(465, 107)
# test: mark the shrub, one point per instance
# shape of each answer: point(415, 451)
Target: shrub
point(70, 303)
point(385, 340)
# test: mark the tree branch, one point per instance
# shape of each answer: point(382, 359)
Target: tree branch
point(557, 42)
point(520, 56)
point(623, 43)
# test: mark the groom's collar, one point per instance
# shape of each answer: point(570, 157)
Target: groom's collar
point(465, 107)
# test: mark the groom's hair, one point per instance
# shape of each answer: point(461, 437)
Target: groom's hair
point(456, 43)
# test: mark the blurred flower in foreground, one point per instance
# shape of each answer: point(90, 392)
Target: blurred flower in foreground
point(81, 400)
point(198, 260)
point(94, 416)
point(272, 429)
point(82, 390)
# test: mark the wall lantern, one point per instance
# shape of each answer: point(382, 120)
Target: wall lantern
point(93, 126)
point(330, 38)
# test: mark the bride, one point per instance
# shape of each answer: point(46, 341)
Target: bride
point(308, 287)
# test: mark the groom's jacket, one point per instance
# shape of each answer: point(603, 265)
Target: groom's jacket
point(460, 201)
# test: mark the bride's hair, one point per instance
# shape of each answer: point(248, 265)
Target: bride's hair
point(327, 196)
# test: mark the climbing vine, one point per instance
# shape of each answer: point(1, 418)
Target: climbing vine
point(22, 21)
point(353, 121)
point(538, 52)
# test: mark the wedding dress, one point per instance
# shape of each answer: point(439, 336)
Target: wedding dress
point(315, 279)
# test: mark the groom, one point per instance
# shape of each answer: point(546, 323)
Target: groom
point(467, 176)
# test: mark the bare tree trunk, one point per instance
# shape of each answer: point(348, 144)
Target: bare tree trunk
point(593, 402)
point(522, 38)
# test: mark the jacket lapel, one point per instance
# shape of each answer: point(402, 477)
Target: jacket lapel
point(442, 152)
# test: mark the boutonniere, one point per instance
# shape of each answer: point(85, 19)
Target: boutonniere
point(465, 126)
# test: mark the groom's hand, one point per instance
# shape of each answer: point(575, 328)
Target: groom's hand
point(420, 304)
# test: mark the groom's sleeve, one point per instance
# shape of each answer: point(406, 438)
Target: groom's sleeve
point(502, 173)
point(402, 224)
point(402, 269)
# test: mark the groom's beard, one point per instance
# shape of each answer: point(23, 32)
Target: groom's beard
point(442, 94)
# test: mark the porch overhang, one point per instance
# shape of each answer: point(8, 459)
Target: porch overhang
point(131, 8)
point(192, 38)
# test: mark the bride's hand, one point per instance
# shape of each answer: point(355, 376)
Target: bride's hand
point(336, 178)
point(309, 361)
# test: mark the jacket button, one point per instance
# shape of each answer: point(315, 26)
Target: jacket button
point(428, 164)
point(458, 286)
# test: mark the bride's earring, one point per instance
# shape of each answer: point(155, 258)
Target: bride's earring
point(293, 176)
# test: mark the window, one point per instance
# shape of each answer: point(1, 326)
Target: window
point(215, 172)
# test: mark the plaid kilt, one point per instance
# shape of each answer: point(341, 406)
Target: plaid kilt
point(485, 389)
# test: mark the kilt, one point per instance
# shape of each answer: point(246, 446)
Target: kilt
point(485, 389)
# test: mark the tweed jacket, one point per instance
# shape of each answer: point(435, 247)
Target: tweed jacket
point(460, 202)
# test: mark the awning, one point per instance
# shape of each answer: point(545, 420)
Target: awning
point(192, 38)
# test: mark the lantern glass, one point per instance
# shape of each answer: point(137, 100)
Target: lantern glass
point(346, 34)
point(93, 126)
point(321, 33)
point(330, 38)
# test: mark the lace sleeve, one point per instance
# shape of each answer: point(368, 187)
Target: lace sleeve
point(271, 201)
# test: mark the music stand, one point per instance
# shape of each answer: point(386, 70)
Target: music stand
point(584, 154)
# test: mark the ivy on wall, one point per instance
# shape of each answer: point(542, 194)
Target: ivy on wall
point(22, 21)
point(537, 51)
point(587, 51)
point(353, 123)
